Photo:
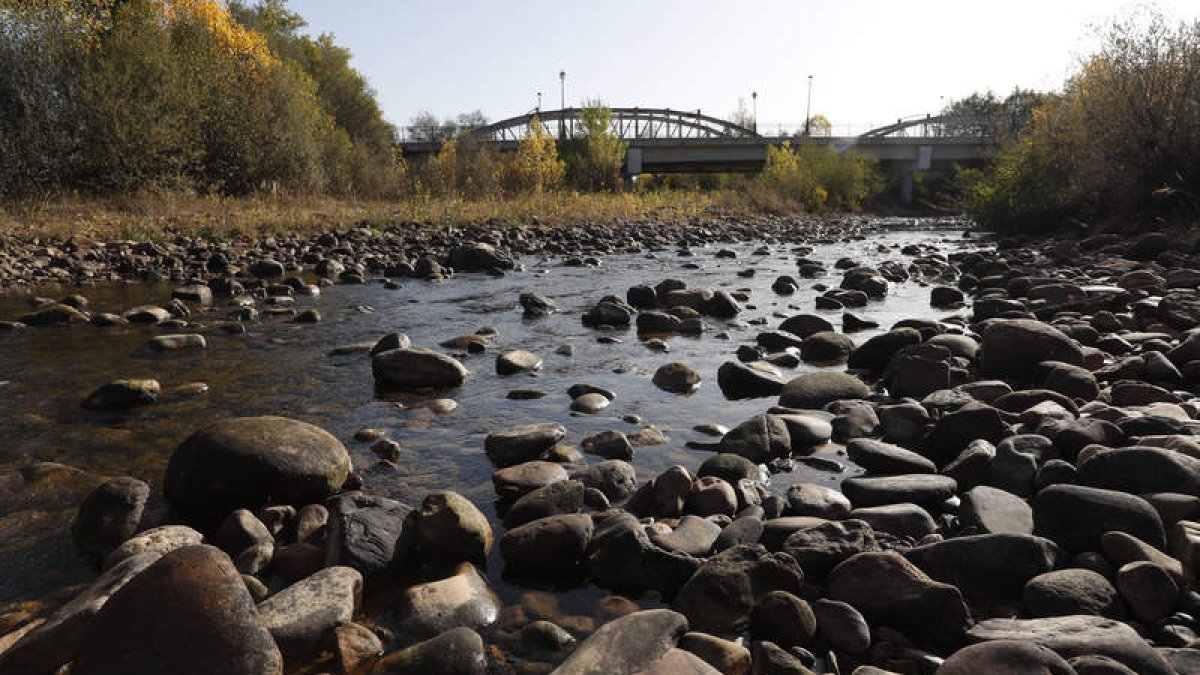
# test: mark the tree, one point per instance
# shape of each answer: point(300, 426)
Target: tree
point(595, 159)
point(819, 125)
point(535, 167)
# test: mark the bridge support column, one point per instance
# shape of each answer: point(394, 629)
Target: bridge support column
point(906, 186)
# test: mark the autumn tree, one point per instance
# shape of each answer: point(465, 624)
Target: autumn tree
point(535, 167)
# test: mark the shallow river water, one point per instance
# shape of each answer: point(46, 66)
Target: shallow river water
point(284, 368)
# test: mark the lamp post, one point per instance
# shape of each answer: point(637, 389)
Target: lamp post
point(539, 104)
point(754, 98)
point(808, 106)
point(562, 96)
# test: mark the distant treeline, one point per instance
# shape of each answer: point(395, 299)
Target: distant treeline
point(1119, 145)
point(110, 96)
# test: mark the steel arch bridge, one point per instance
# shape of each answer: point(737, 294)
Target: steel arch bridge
point(626, 123)
point(634, 124)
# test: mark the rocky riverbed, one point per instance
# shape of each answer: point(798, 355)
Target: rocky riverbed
point(768, 446)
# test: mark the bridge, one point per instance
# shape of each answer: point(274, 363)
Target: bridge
point(661, 140)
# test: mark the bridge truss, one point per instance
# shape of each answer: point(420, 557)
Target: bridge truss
point(626, 123)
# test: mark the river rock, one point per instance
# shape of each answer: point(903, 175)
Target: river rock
point(461, 600)
point(729, 467)
point(177, 341)
point(907, 488)
point(370, 533)
point(738, 380)
point(826, 347)
point(629, 645)
point(891, 591)
point(1015, 347)
point(519, 479)
point(759, 439)
point(413, 368)
point(784, 619)
point(728, 658)
point(590, 404)
point(451, 529)
point(158, 540)
point(188, 612)
point(58, 640)
point(305, 614)
point(1072, 591)
point(609, 444)
point(1070, 380)
point(803, 325)
point(517, 361)
point(1148, 590)
point(554, 499)
point(1071, 636)
point(877, 352)
point(617, 479)
point(988, 568)
point(810, 499)
point(478, 257)
point(678, 378)
point(882, 458)
point(693, 536)
point(1075, 517)
point(815, 390)
point(1142, 470)
point(1005, 656)
point(458, 651)
point(711, 496)
point(252, 461)
point(806, 431)
point(109, 516)
point(842, 626)
point(903, 520)
point(123, 395)
point(522, 444)
point(820, 548)
point(549, 547)
point(956, 430)
point(993, 511)
point(720, 596)
point(53, 315)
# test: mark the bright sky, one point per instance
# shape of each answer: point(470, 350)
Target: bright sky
point(872, 61)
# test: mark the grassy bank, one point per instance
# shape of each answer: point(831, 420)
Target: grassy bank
point(155, 216)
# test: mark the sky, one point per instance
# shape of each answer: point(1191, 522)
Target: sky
point(871, 61)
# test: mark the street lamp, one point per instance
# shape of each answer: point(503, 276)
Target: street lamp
point(808, 106)
point(562, 94)
point(539, 105)
point(754, 98)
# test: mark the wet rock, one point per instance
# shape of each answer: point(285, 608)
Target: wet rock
point(123, 395)
point(954, 431)
point(1142, 470)
point(988, 568)
point(550, 547)
point(186, 613)
point(554, 499)
point(522, 444)
point(891, 591)
point(252, 461)
point(759, 439)
point(478, 257)
point(517, 361)
point(770, 658)
point(1015, 347)
point(240, 531)
point(163, 343)
point(815, 390)
point(738, 380)
point(616, 479)
point(517, 480)
point(806, 431)
point(903, 423)
point(458, 651)
point(878, 457)
point(810, 499)
point(1071, 636)
point(609, 445)
point(109, 516)
point(678, 378)
point(720, 596)
point(356, 648)
point(628, 645)
point(821, 548)
point(1070, 380)
point(54, 315)
point(1069, 592)
point(973, 465)
point(1005, 656)
point(590, 404)
point(1016, 463)
point(729, 467)
point(711, 496)
point(303, 615)
point(693, 536)
point(621, 557)
point(826, 347)
point(451, 529)
point(368, 532)
point(945, 297)
point(411, 368)
point(902, 520)
point(1075, 517)
point(461, 600)
point(876, 353)
point(389, 342)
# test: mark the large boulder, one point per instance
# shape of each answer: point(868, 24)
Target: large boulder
point(1076, 517)
point(478, 257)
point(450, 529)
point(891, 591)
point(815, 390)
point(413, 368)
point(1072, 636)
point(188, 613)
point(629, 645)
point(1015, 347)
point(250, 462)
point(719, 597)
point(988, 568)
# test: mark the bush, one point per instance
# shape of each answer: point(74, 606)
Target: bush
point(816, 176)
point(1121, 141)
